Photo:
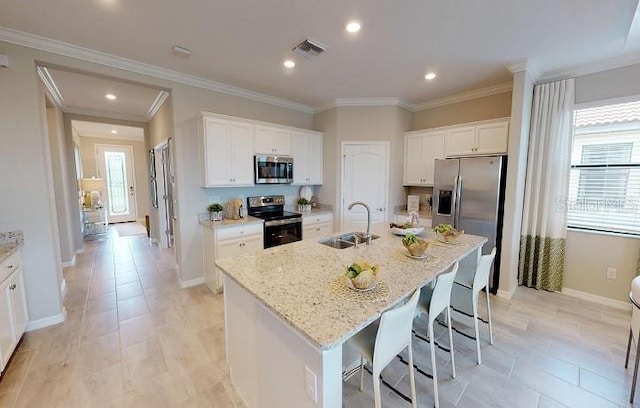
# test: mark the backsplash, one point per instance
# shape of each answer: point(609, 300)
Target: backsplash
point(222, 195)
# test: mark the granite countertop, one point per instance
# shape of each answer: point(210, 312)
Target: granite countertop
point(319, 209)
point(294, 282)
point(231, 222)
point(10, 242)
point(402, 210)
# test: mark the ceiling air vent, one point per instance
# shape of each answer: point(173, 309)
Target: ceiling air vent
point(308, 49)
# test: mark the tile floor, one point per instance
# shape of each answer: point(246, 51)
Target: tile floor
point(134, 339)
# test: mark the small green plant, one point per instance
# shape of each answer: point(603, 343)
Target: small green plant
point(303, 201)
point(215, 207)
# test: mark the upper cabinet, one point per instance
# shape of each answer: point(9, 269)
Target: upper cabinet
point(272, 140)
point(226, 152)
point(490, 137)
point(307, 157)
point(421, 148)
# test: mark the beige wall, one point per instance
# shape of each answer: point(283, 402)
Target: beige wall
point(489, 107)
point(88, 153)
point(589, 254)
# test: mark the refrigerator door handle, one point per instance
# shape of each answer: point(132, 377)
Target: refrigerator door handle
point(456, 199)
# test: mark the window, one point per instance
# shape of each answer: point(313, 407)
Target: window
point(604, 186)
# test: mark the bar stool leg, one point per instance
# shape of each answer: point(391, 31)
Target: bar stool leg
point(635, 373)
point(626, 361)
point(486, 289)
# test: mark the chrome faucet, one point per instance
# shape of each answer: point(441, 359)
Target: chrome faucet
point(368, 237)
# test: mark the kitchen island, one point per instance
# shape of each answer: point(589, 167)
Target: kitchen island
point(286, 319)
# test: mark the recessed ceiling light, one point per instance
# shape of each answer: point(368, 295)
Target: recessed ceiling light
point(111, 97)
point(353, 27)
point(289, 63)
point(180, 50)
point(115, 132)
point(430, 76)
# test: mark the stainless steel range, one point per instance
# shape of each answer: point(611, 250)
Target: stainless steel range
point(280, 227)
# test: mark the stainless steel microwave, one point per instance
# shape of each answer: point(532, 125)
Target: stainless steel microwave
point(273, 169)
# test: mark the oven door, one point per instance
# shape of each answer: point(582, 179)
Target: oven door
point(273, 170)
point(280, 232)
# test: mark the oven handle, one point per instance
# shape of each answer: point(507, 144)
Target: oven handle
point(274, 223)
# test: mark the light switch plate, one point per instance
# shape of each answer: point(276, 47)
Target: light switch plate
point(612, 273)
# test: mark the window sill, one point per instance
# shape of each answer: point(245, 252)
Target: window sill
point(606, 233)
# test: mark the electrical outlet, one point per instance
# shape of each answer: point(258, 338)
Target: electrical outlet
point(612, 273)
point(311, 384)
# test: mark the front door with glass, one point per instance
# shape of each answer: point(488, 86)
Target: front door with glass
point(115, 165)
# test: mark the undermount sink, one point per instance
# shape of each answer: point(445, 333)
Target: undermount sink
point(347, 240)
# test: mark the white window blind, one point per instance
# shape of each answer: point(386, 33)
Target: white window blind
point(604, 186)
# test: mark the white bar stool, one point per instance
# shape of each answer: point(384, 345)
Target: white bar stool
point(634, 331)
point(433, 301)
point(384, 339)
point(465, 295)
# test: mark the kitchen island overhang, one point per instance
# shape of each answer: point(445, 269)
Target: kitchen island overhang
point(285, 326)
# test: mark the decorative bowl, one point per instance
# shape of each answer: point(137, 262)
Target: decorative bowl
point(405, 231)
point(418, 249)
point(366, 275)
point(450, 236)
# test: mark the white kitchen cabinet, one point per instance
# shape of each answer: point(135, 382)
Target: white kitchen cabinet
point(228, 242)
point(308, 152)
point(226, 152)
point(421, 149)
point(316, 226)
point(13, 307)
point(272, 140)
point(490, 137)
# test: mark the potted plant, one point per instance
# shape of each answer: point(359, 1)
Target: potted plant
point(215, 212)
point(304, 205)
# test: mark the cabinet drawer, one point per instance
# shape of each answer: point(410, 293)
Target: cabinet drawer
point(316, 218)
point(238, 232)
point(10, 265)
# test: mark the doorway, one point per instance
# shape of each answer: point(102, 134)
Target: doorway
point(164, 181)
point(365, 177)
point(115, 164)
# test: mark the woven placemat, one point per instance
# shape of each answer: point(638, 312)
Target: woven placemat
point(339, 288)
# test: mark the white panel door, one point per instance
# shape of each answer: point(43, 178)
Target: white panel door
point(492, 138)
point(115, 165)
point(365, 177)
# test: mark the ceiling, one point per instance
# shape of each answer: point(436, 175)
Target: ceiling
point(244, 43)
point(85, 94)
point(104, 131)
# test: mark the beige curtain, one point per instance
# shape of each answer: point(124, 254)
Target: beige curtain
point(544, 219)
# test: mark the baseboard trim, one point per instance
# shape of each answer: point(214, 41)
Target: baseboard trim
point(505, 294)
point(618, 304)
point(191, 282)
point(63, 287)
point(47, 321)
point(70, 263)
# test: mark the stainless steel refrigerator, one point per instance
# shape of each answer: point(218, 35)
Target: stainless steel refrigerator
point(468, 193)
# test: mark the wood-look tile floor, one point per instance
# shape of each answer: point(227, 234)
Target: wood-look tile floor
point(132, 338)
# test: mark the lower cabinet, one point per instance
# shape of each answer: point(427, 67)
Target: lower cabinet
point(316, 225)
point(228, 242)
point(13, 307)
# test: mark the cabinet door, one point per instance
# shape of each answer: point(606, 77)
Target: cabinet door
point(264, 140)
point(217, 145)
point(316, 158)
point(252, 244)
point(211, 276)
point(241, 156)
point(492, 138)
point(228, 249)
point(460, 141)
point(7, 330)
point(19, 303)
point(432, 149)
point(414, 167)
point(300, 158)
point(282, 142)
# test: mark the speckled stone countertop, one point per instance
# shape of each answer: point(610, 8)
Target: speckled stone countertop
point(231, 222)
point(294, 282)
point(10, 242)
point(319, 209)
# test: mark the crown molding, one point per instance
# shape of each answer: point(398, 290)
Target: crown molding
point(69, 50)
point(591, 68)
point(106, 114)
point(157, 103)
point(353, 102)
point(51, 86)
point(113, 137)
point(528, 65)
point(464, 96)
